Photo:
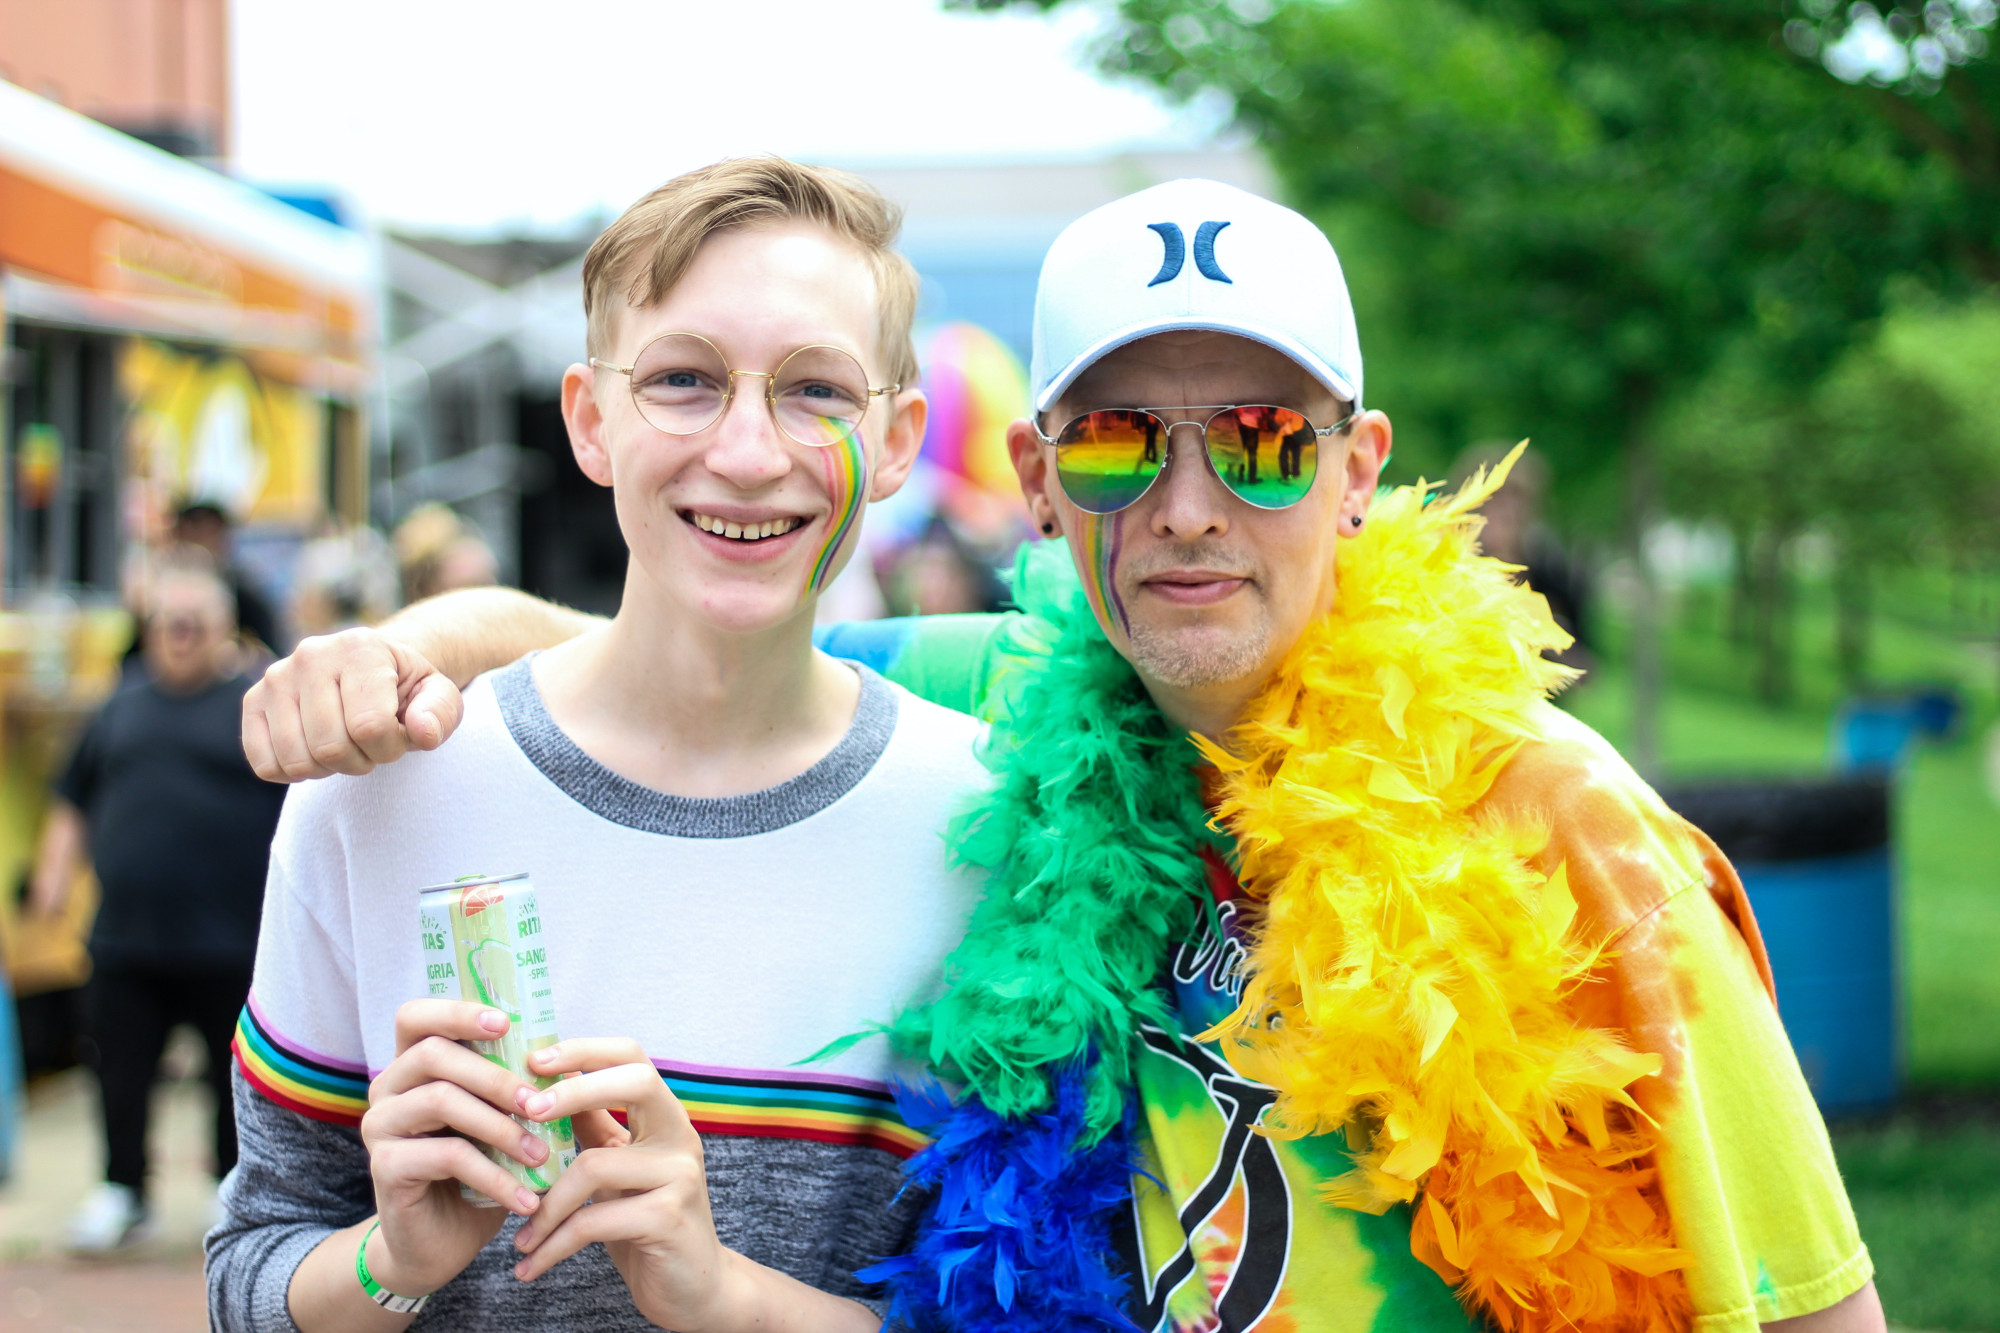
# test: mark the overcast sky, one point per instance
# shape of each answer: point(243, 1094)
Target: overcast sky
point(477, 114)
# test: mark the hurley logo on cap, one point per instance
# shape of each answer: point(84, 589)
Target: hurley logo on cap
point(1274, 280)
point(1176, 256)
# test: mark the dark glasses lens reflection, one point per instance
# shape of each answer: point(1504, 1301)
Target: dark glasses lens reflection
point(1268, 456)
point(1107, 459)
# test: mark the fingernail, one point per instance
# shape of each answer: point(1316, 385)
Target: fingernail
point(521, 1270)
point(529, 1200)
point(493, 1021)
point(534, 1149)
point(539, 1103)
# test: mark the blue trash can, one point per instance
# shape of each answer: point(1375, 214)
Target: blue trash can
point(1874, 733)
point(1815, 857)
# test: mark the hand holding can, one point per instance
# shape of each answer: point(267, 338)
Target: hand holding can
point(438, 1120)
point(483, 942)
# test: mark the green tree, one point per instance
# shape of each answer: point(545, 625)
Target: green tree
point(1559, 214)
point(1911, 424)
point(1926, 69)
point(1885, 456)
point(1734, 453)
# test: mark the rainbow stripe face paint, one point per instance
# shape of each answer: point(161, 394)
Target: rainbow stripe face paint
point(1100, 539)
point(846, 464)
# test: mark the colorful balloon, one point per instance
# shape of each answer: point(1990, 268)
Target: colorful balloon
point(976, 386)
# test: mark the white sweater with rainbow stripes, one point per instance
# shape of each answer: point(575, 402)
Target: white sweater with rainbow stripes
point(732, 938)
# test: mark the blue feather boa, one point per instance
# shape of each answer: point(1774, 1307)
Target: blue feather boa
point(1018, 1237)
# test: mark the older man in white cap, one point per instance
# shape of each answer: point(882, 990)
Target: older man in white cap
point(1328, 977)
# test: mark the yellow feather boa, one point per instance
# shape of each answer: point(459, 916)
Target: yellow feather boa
point(1408, 976)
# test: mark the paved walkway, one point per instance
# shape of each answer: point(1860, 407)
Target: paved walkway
point(157, 1285)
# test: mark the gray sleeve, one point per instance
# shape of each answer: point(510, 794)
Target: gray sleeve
point(296, 1182)
point(815, 1211)
point(812, 1210)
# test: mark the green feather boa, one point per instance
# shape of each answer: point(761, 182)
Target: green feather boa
point(1091, 840)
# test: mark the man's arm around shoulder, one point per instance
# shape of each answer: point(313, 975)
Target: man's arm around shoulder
point(346, 702)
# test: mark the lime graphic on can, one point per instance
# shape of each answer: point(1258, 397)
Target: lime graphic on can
point(483, 942)
point(491, 967)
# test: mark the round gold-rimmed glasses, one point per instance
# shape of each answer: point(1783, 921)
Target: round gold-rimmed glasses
point(682, 385)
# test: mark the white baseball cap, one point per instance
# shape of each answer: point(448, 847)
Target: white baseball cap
point(1192, 254)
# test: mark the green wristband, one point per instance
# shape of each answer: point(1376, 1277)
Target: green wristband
point(377, 1293)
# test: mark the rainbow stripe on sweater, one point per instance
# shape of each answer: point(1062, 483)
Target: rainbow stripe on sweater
point(826, 1108)
point(754, 1103)
point(297, 1077)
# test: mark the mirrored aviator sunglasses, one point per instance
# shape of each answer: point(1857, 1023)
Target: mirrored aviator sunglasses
point(1267, 456)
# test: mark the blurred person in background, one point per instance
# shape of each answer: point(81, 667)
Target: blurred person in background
point(1515, 533)
point(346, 577)
point(161, 801)
point(939, 574)
point(206, 524)
point(439, 550)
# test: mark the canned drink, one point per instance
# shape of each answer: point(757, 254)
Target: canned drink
point(483, 942)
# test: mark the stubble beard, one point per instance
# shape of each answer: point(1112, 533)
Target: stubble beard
point(1199, 655)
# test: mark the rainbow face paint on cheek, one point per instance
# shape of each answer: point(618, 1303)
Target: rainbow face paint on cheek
point(1100, 539)
point(846, 464)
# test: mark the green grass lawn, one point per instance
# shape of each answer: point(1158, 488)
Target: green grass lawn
point(1925, 1184)
point(1926, 1190)
point(1950, 835)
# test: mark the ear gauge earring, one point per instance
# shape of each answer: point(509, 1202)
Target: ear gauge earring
point(1048, 528)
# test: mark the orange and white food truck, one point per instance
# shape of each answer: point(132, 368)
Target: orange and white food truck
point(170, 336)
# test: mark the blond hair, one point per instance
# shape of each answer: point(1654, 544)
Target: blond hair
point(648, 249)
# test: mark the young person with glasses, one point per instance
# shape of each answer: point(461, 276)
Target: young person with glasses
point(1326, 975)
point(731, 836)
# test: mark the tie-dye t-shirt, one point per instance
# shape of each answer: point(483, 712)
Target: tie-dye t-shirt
point(1228, 1234)
point(1226, 1230)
